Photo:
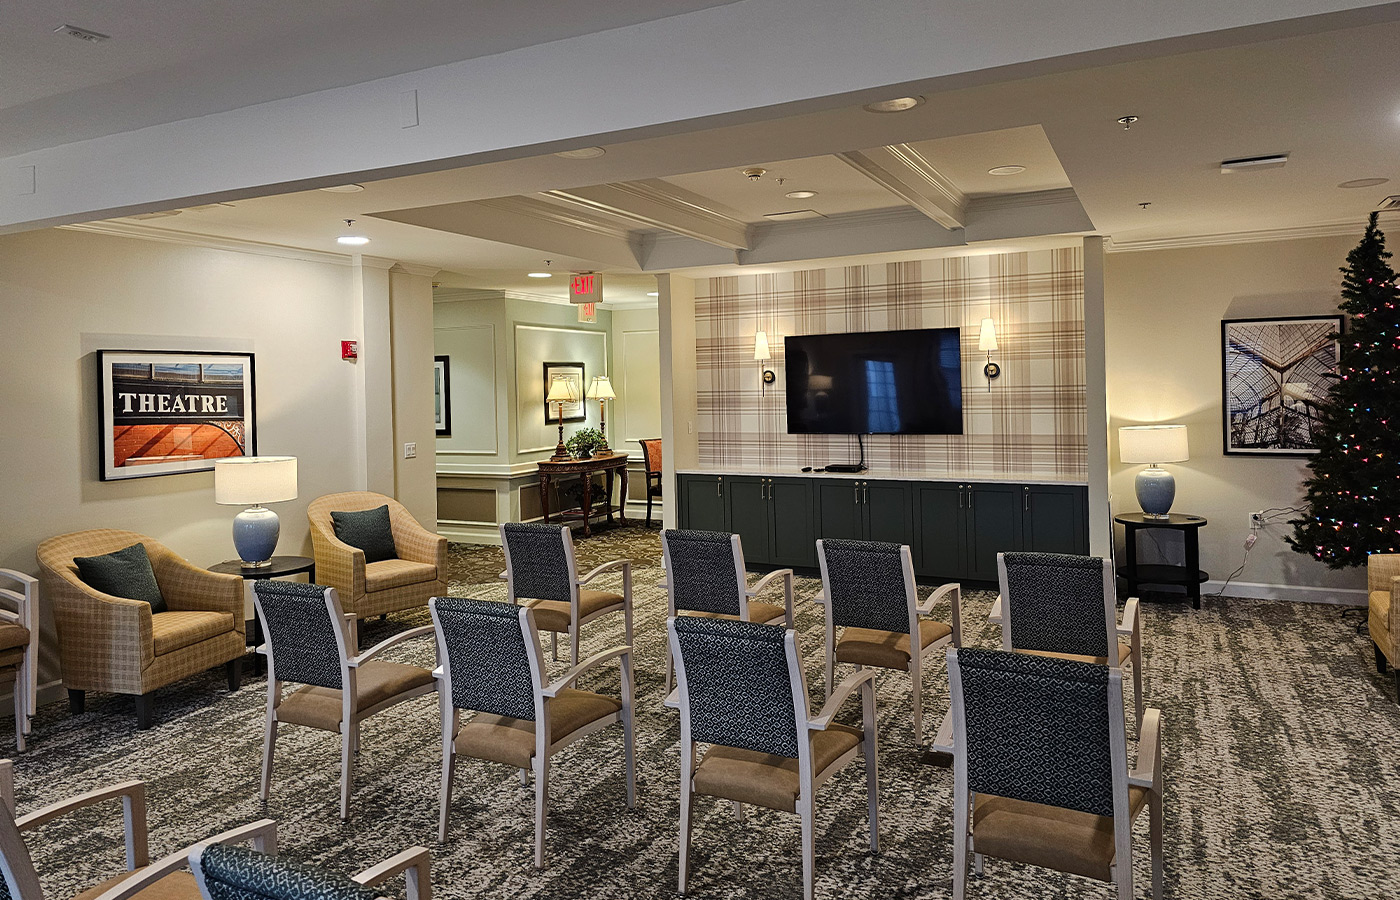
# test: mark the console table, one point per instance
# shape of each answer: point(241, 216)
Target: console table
point(1189, 575)
point(613, 463)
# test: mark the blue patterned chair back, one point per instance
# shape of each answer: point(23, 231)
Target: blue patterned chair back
point(703, 577)
point(487, 662)
point(737, 684)
point(539, 569)
point(1037, 729)
point(237, 873)
point(302, 635)
point(1056, 603)
point(865, 585)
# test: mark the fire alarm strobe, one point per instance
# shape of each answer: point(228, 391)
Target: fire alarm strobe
point(349, 349)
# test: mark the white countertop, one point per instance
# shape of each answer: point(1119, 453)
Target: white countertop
point(883, 475)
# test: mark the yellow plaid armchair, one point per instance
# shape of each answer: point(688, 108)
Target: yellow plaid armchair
point(108, 643)
point(1382, 573)
point(390, 585)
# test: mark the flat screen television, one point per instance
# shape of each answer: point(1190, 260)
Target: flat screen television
point(874, 382)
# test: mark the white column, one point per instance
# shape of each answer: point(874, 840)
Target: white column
point(411, 312)
point(679, 443)
point(1096, 399)
point(374, 429)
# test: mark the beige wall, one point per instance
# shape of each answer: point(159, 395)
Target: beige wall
point(1164, 365)
point(411, 307)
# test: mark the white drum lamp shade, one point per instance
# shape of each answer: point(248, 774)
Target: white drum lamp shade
point(1153, 444)
point(252, 481)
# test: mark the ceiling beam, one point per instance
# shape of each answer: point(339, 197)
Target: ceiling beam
point(906, 173)
point(657, 204)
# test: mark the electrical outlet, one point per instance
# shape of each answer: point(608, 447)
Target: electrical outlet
point(1256, 519)
point(410, 450)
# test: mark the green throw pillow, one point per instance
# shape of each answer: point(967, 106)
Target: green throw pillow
point(126, 573)
point(368, 530)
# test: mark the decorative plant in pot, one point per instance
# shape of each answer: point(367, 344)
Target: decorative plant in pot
point(584, 442)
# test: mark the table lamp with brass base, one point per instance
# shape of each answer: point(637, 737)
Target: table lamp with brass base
point(602, 391)
point(561, 391)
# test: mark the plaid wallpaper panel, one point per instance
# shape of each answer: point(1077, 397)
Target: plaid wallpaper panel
point(1031, 422)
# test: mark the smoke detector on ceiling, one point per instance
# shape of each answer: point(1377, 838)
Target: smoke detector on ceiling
point(82, 34)
point(754, 173)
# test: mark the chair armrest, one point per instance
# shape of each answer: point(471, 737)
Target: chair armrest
point(819, 598)
point(338, 564)
point(415, 543)
point(1148, 771)
point(420, 631)
point(504, 576)
point(186, 586)
point(133, 797)
point(1129, 625)
point(943, 741)
point(623, 565)
point(598, 658)
point(1381, 570)
point(673, 699)
point(766, 579)
point(839, 696)
point(938, 594)
point(414, 862)
point(262, 833)
point(995, 617)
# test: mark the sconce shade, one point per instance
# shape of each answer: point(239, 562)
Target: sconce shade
point(561, 390)
point(601, 389)
point(1152, 443)
point(988, 338)
point(760, 346)
point(254, 480)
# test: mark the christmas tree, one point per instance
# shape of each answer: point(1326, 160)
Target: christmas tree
point(1353, 495)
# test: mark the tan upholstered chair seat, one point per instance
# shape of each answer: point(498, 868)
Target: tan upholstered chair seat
point(512, 741)
point(1062, 839)
point(392, 573)
point(765, 779)
point(12, 636)
point(886, 649)
point(553, 615)
point(1124, 651)
point(758, 612)
point(175, 886)
point(375, 682)
point(182, 628)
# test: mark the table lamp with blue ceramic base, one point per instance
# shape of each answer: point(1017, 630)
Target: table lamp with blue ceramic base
point(252, 481)
point(1153, 444)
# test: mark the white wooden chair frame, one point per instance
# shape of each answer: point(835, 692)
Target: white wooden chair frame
point(746, 593)
point(544, 691)
point(1130, 627)
point(414, 863)
point(25, 614)
point(952, 590)
point(809, 780)
point(18, 865)
point(575, 582)
point(1147, 774)
point(346, 636)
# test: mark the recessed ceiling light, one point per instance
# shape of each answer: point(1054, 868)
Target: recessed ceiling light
point(343, 189)
point(800, 195)
point(1006, 170)
point(893, 105)
point(539, 275)
point(1363, 182)
point(353, 240)
point(82, 34)
point(581, 153)
point(653, 293)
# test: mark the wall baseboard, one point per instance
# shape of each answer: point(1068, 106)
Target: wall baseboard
point(489, 533)
point(1295, 593)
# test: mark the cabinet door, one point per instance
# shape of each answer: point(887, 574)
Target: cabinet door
point(993, 526)
point(939, 516)
point(841, 513)
point(746, 508)
point(889, 511)
point(702, 502)
point(1053, 518)
point(794, 539)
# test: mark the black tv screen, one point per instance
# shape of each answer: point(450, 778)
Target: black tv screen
point(875, 382)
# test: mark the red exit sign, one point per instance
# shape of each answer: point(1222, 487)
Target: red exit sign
point(586, 288)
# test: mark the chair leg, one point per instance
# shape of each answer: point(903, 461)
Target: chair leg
point(918, 698)
point(1380, 658)
point(449, 764)
point(648, 507)
point(809, 847)
point(347, 761)
point(20, 716)
point(738, 811)
point(1154, 815)
point(687, 795)
point(541, 807)
point(978, 860)
point(670, 672)
point(234, 670)
point(574, 638)
point(554, 644)
point(630, 758)
point(145, 710)
point(269, 742)
point(961, 838)
point(872, 789)
point(77, 701)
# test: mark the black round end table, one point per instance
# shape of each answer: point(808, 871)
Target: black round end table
point(1189, 575)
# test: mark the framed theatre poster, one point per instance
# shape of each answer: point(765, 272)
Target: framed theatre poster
point(573, 409)
point(442, 397)
point(167, 412)
point(1276, 372)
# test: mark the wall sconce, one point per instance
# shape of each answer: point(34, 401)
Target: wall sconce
point(987, 341)
point(760, 354)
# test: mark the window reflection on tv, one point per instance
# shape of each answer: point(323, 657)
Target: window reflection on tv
point(874, 382)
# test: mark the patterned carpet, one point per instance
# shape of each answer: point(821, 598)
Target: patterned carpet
point(1280, 753)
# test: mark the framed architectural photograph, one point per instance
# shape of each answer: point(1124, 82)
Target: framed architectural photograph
point(442, 397)
point(573, 373)
point(1276, 372)
point(167, 412)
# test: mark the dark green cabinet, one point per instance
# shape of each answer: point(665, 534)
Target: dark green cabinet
point(794, 536)
point(939, 552)
point(992, 525)
point(702, 502)
point(860, 510)
point(775, 518)
point(1054, 518)
point(749, 516)
point(840, 514)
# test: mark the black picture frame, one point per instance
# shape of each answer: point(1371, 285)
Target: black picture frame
point(1274, 371)
point(171, 412)
point(442, 396)
point(573, 412)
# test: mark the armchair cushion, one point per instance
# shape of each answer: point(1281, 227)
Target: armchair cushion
point(125, 573)
point(369, 530)
point(375, 682)
point(12, 636)
point(1048, 836)
point(173, 630)
point(392, 573)
point(765, 779)
point(553, 615)
point(512, 741)
point(886, 649)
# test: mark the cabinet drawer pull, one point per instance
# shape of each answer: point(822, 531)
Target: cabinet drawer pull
point(1026, 499)
point(960, 496)
point(719, 487)
point(969, 498)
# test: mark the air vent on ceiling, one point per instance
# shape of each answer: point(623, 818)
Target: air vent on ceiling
point(1389, 203)
point(82, 34)
point(162, 214)
point(794, 215)
point(1249, 163)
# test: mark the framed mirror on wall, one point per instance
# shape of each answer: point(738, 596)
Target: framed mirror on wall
point(442, 396)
